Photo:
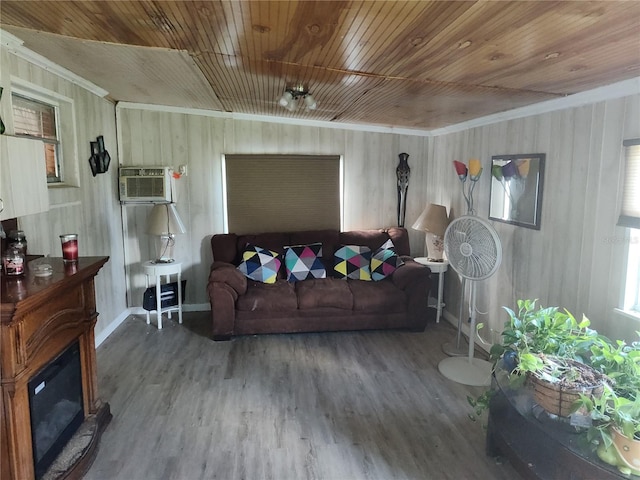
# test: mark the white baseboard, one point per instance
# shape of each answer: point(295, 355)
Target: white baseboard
point(102, 336)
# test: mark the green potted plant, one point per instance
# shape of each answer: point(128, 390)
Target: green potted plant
point(546, 347)
point(615, 414)
point(547, 344)
point(533, 331)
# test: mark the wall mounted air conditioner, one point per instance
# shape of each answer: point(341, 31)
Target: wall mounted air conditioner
point(145, 184)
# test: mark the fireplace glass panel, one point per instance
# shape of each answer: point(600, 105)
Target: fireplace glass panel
point(55, 403)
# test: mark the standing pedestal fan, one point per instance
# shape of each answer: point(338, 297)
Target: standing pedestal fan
point(474, 251)
point(460, 347)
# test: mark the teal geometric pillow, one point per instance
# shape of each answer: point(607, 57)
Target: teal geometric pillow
point(384, 261)
point(353, 261)
point(304, 261)
point(260, 264)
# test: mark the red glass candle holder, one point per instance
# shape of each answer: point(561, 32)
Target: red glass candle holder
point(69, 247)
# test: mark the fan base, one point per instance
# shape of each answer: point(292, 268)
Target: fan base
point(451, 349)
point(467, 371)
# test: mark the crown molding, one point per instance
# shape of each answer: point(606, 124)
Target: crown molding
point(273, 119)
point(608, 92)
point(16, 46)
point(621, 89)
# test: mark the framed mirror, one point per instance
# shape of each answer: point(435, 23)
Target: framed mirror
point(516, 189)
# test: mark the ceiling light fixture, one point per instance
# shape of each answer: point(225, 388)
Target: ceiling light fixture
point(290, 99)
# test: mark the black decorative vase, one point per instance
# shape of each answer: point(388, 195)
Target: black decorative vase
point(403, 172)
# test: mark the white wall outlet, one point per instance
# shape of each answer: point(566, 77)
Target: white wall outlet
point(182, 170)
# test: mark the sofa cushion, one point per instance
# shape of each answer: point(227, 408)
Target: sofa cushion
point(324, 292)
point(378, 297)
point(353, 261)
point(328, 238)
point(272, 240)
point(368, 238)
point(400, 239)
point(267, 297)
point(303, 262)
point(384, 261)
point(260, 264)
point(224, 248)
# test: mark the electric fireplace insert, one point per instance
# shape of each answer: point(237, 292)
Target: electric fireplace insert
point(55, 404)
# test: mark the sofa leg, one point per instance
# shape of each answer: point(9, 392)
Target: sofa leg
point(221, 338)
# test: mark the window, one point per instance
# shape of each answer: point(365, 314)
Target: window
point(632, 284)
point(32, 118)
point(49, 117)
point(282, 193)
point(630, 217)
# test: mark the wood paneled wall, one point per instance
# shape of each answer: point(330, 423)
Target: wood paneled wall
point(164, 138)
point(92, 210)
point(577, 258)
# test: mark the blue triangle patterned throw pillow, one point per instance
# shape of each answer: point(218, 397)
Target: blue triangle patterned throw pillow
point(385, 261)
point(304, 261)
point(353, 261)
point(260, 264)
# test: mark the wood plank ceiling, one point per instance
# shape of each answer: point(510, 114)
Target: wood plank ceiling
point(412, 64)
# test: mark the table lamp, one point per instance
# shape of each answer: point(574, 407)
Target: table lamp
point(434, 221)
point(165, 223)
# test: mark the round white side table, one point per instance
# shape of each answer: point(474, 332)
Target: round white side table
point(157, 270)
point(439, 268)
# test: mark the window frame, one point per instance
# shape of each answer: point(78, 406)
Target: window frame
point(65, 128)
point(58, 157)
point(631, 291)
point(628, 219)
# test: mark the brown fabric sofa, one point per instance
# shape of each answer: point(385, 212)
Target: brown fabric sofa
point(240, 306)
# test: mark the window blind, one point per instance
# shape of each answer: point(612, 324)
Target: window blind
point(630, 212)
point(36, 119)
point(282, 193)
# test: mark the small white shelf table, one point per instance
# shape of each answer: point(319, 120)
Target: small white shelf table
point(439, 268)
point(158, 270)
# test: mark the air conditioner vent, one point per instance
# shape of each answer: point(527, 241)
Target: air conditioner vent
point(145, 184)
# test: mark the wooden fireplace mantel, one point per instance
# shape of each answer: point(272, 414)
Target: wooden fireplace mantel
point(39, 318)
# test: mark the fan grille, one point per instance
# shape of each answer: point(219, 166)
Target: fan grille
point(472, 247)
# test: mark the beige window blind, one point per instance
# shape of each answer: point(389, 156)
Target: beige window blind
point(36, 119)
point(282, 193)
point(630, 212)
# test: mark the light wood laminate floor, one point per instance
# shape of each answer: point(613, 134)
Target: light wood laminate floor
point(331, 406)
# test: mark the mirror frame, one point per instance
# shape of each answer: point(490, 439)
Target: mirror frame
point(522, 178)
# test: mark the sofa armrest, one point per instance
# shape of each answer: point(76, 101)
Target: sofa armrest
point(414, 279)
point(410, 273)
point(227, 273)
point(223, 309)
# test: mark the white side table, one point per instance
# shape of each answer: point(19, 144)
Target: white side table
point(157, 270)
point(439, 268)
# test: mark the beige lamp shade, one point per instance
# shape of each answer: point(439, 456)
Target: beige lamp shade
point(433, 219)
point(164, 220)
